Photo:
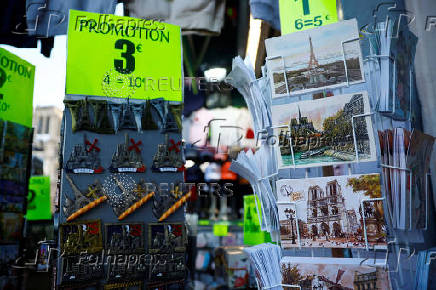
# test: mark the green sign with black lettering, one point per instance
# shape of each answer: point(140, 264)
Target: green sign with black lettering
point(38, 200)
point(125, 57)
point(16, 88)
point(253, 235)
point(298, 15)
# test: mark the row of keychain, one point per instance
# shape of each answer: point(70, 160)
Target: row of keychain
point(93, 115)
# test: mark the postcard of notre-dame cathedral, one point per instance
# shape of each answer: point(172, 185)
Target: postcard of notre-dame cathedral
point(329, 212)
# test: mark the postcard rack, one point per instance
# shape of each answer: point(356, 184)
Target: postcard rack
point(384, 114)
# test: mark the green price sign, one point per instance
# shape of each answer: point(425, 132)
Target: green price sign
point(38, 200)
point(16, 89)
point(298, 15)
point(253, 235)
point(124, 57)
point(220, 230)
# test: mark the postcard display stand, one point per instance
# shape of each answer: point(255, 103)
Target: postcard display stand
point(367, 205)
point(115, 229)
point(15, 165)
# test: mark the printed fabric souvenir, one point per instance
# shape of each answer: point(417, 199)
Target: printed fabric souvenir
point(85, 158)
point(82, 201)
point(127, 157)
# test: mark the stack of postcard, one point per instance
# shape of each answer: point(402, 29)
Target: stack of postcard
point(333, 273)
point(393, 50)
point(334, 212)
point(405, 158)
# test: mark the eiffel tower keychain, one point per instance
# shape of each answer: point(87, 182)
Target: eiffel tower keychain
point(102, 124)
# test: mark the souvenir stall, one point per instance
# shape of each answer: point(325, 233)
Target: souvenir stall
point(225, 144)
point(121, 221)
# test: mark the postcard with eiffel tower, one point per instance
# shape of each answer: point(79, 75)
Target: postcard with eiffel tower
point(315, 59)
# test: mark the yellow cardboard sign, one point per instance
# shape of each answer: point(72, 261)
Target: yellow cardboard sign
point(124, 57)
point(298, 15)
point(16, 89)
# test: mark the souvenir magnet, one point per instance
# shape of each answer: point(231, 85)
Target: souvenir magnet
point(83, 202)
point(126, 267)
point(79, 237)
point(127, 120)
point(124, 285)
point(167, 238)
point(85, 158)
point(102, 124)
point(116, 111)
point(161, 205)
point(170, 124)
point(79, 114)
point(124, 196)
point(168, 157)
point(128, 157)
point(138, 111)
point(147, 118)
point(176, 111)
point(168, 268)
point(175, 206)
point(79, 269)
point(124, 238)
point(158, 105)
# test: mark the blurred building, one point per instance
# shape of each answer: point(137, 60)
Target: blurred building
point(47, 124)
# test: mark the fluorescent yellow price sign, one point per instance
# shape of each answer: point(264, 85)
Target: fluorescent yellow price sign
point(124, 57)
point(298, 15)
point(16, 89)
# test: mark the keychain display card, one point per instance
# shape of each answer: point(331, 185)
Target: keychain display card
point(334, 273)
point(331, 212)
point(310, 60)
point(324, 132)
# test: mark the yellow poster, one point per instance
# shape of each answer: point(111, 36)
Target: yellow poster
point(124, 57)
